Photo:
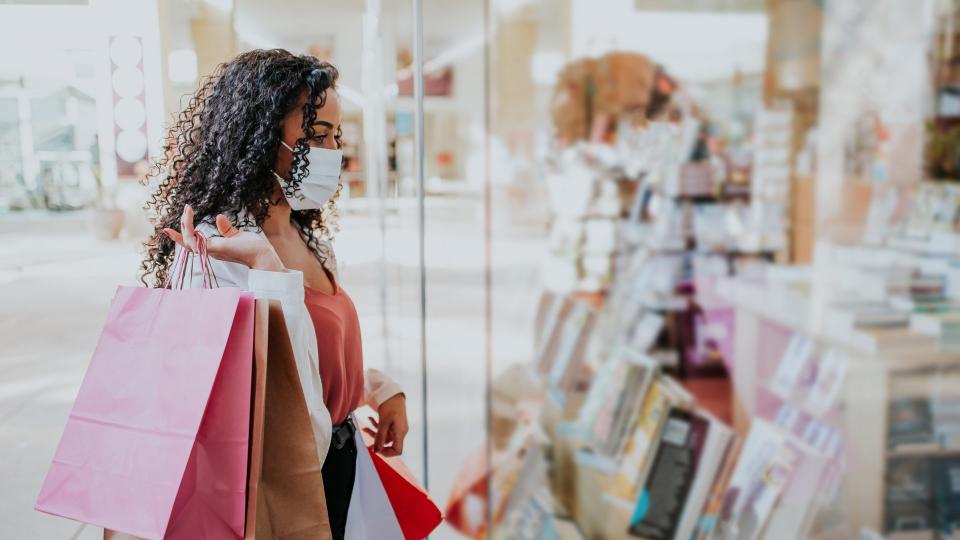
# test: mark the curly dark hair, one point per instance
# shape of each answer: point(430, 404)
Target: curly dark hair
point(221, 149)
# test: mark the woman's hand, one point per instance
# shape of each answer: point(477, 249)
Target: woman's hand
point(392, 428)
point(244, 247)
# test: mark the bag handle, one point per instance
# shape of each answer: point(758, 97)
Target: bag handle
point(177, 275)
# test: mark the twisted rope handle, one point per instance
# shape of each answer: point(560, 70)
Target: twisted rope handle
point(179, 268)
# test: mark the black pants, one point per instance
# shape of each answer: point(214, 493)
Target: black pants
point(339, 472)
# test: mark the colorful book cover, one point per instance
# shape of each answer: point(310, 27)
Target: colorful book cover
point(639, 449)
point(657, 511)
point(798, 352)
point(642, 369)
point(710, 462)
point(793, 514)
point(909, 499)
point(946, 490)
point(765, 465)
point(831, 372)
point(711, 509)
point(911, 422)
point(603, 422)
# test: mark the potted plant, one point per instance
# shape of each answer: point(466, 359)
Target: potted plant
point(105, 219)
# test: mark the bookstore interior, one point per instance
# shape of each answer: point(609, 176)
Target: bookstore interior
point(745, 317)
point(750, 326)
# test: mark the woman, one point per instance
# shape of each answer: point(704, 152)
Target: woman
point(254, 165)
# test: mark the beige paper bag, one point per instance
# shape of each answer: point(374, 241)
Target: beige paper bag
point(285, 490)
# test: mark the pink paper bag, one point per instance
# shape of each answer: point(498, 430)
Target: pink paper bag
point(156, 443)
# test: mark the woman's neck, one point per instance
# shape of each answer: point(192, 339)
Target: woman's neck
point(277, 223)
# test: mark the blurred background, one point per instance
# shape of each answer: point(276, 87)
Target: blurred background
point(690, 268)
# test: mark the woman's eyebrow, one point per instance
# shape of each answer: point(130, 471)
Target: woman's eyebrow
point(322, 123)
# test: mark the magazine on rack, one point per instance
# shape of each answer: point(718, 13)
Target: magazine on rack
point(559, 357)
point(910, 500)
point(719, 437)
point(714, 504)
point(910, 424)
point(641, 446)
point(548, 312)
point(658, 510)
point(793, 514)
point(766, 463)
point(572, 349)
point(634, 375)
point(793, 362)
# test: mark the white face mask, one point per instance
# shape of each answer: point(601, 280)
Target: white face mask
point(323, 177)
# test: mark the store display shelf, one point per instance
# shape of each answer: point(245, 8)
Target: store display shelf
point(923, 452)
point(792, 309)
point(936, 244)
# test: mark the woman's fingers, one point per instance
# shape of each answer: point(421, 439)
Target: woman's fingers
point(173, 235)
point(396, 442)
point(187, 230)
point(225, 227)
point(382, 431)
point(391, 451)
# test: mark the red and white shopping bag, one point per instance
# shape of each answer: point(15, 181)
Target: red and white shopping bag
point(387, 502)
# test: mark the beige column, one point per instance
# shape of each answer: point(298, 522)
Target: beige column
point(214, 38)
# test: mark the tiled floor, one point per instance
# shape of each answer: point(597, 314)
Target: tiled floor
point(56, 282)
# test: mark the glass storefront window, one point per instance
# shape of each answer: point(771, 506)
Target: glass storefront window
point(643, 268)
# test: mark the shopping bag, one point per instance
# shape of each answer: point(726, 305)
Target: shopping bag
point(416, 515)
point(286, 499)
point(156, 442)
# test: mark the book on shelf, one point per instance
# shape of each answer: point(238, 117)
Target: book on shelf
point(714, 503)
point(604, 383)
point(936, 303)
point(527, 520)
point(795, 510)
point(548, 311)
point(632, 377)
point(765, 465)
point(643, 334)
point(559, 358)
point(946, 492)
point(934, 324)
point(660, 505)
point(909, 501)
point(569, 359)
point(793, 362)
point(922, 497)
point(667, 358)
point(910, 424)
point(716, 445)
point(831, 374)
point(867, 314)
point(945, 414)
point(553, 319)
point(644, 435)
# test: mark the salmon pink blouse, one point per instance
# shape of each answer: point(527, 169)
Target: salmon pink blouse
point(338, 342)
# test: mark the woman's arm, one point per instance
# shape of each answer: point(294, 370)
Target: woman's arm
point(269, 281)
point(378, 387)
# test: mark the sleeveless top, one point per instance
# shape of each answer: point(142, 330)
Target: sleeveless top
point(337, 327)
